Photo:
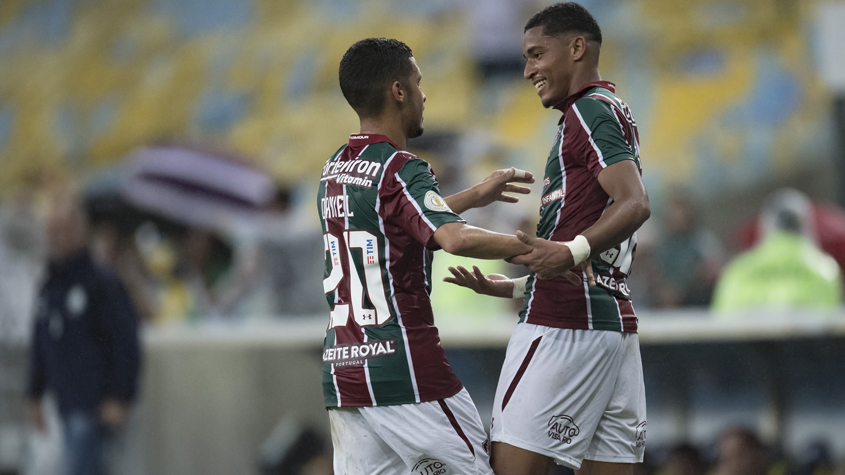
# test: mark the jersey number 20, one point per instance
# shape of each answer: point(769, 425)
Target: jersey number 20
point(374, 290)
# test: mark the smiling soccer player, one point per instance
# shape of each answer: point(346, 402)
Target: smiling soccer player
point(571, 388)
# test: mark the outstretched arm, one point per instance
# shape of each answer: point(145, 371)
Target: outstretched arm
point(630, 209)
point(497, 285)
point(468, 241)
point(493, 188)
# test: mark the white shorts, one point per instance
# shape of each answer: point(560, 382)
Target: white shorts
point(443, 437)
point(572, 395)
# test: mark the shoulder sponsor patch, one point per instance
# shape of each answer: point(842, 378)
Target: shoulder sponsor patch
point(434, 202)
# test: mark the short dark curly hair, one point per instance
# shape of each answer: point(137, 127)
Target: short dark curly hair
point(566, 17)
point(368, 67)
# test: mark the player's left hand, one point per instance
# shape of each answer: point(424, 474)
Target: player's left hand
point(550, 259)
point(494, 187)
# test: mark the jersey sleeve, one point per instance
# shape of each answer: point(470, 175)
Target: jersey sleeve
point(607, 141)
point(412, 198)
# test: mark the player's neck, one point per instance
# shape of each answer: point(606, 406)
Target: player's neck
point(389, 127)
point(582, 78)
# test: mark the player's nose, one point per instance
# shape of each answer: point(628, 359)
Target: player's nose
point(529, 71)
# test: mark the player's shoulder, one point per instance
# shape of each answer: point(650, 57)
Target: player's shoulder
point(598, 101)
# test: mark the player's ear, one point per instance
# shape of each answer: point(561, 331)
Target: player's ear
point(397, 91)
point(578, 47)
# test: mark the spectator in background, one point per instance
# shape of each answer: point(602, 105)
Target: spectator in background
point(786, 269)
point(85, 347)
point(688, 259)
point(218, 280)
point(741, 453)
point(684, 459)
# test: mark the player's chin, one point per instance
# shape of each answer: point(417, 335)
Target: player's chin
point(416, 132)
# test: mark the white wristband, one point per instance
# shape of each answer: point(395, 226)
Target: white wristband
point(580, 248)
point(519, 287)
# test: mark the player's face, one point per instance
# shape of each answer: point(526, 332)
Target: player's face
point(548, 66)
point(415, 104)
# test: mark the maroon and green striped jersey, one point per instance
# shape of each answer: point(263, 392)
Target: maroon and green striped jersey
point(596, 131)
point(379, 209)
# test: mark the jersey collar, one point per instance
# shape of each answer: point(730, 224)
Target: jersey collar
point(565, 104)
point(360, 140)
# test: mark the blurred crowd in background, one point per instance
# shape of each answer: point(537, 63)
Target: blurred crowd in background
point(194, 132)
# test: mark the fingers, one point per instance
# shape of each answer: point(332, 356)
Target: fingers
point(508, 199)
point(522, 190)
point(572, 277)
point(522, 176)
point(525, 238)
point(519, 260)
point(458, 278)
point(587, 267)
point(478, 274)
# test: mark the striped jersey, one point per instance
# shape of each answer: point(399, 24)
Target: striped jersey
point(379, 208)
point(596, 131)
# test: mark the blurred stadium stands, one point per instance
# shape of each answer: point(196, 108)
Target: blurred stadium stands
point(730, 105)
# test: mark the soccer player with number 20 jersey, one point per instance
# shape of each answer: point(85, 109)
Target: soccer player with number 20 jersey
point(571, 388)
point(395, 406)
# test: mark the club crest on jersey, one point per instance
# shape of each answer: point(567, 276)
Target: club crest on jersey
point(356, 354)
point(434, 202)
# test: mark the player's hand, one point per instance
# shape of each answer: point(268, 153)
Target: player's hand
point(35, 413)
point(494, 187)
point(114, 414)
point(496, 285)
point(550, 259)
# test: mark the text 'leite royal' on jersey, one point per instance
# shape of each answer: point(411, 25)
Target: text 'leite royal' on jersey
point(379, 208)
point(597, 130)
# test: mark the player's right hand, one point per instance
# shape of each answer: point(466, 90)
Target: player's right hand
point(496, 285)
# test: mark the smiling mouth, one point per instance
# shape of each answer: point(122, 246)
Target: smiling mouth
point(539, 84)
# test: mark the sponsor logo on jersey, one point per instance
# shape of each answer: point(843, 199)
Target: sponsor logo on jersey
point(616, 287)
point(555, 195)
point(562, 428)
point(429, 466)
point(547, 181)
point(351, 172)
point(356, 354)
point(434, 202)
point(641, 429)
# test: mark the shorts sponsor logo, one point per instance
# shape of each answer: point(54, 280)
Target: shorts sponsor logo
point(429, 466)
point(562, 428)
point(555, 195)
point(547, 181)
point(641, 429)
point(434, 202)
point(356, 354)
